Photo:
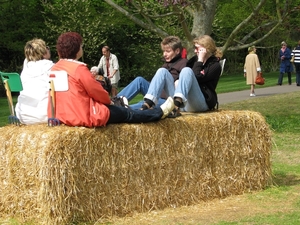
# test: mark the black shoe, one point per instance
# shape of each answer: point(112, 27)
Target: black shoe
point(145, 106)
point(298, 84)
point(148, 104)
point(279, 84)
point(175, 113)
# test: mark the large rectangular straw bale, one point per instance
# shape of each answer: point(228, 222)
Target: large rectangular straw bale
point(56, 175)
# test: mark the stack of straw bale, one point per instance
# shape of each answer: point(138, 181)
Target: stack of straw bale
point(58, 175)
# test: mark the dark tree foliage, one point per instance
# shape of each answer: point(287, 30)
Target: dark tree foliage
point(138, 50)
point(20, 22)
point(168, 2)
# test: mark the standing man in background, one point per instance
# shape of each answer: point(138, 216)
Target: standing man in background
point(109, 64)
point(296, 54)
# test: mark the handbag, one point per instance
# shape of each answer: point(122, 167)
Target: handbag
point(259, 79)
point(292, 59)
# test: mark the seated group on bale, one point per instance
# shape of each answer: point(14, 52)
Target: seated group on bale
point(179, 85)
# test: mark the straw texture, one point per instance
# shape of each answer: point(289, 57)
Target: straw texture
point(59, 175)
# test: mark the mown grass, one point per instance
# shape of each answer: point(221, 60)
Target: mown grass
point(237, 82)
point(276, 205)
point(282, 114)
point(4, 112)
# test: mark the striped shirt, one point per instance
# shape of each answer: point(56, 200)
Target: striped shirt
point(296, 54)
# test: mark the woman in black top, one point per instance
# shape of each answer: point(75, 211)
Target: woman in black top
point(195, 90)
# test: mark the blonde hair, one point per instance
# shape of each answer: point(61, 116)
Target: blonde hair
point(207, 42)
point(251, 48)
point(35, 49)
point(219, 53)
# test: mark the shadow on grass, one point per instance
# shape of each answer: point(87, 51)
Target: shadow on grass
point(283, 179)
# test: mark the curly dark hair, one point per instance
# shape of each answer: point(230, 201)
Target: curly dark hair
point(68, 45)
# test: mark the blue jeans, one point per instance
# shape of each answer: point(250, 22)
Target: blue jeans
point(187, 89)
point(124, 115)
point(138, 85)
point(162, 80)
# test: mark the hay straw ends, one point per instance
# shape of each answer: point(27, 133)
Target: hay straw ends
point(57, 175)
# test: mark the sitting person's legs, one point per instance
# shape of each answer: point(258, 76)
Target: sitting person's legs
point(138, 86)
point(137, 106)
point(162, 80)
point(189, 93)
point(124, 115)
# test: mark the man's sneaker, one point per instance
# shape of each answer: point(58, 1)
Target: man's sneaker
point(167, 107)
point(252, 95)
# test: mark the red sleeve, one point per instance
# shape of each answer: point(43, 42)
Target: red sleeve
point(93, 88)
point(184, 53)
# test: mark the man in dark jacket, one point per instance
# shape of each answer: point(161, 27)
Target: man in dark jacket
point(173, 64)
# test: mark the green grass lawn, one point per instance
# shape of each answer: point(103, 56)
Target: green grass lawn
point(4, 112)
point(237, 82)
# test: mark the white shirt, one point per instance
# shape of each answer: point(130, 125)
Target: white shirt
point(33, 99)
point(113, 65)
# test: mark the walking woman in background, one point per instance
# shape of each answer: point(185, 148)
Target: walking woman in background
point(251, 68)
point(285, 63)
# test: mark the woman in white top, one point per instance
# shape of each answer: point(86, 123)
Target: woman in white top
point(33, 99)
